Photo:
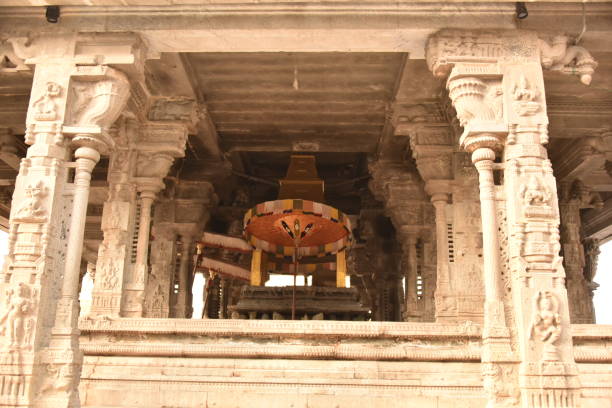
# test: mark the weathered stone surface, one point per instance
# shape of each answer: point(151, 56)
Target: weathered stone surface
point(480, 207)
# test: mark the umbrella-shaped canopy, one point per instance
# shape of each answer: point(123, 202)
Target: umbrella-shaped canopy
point(325, 230)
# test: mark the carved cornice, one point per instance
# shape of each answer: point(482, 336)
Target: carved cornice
point(285, 328)
point(399, 352)
point(452, 46)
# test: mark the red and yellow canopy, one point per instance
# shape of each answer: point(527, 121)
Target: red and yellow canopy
point(330, 232)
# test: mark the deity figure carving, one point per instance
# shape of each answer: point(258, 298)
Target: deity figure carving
point(16, 319)
point(536, 198)
point(44, 107)
point(534, 193)
point(525, 98)
point(110, 281)
point(31, 210)
point(546, 324)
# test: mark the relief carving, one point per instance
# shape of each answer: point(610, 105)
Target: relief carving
point(569, 60)
point(536, 198)
point(98, 103)
point(110, 280)
point(525, 96)
point(32, 210)
point(18, 320)
point(546, 324)
point(44, 108)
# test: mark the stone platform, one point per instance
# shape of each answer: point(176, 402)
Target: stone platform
point(306, 364)
point(312, 302)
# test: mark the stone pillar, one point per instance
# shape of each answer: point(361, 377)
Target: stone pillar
point(163, 251)
point(38, 230)
point(572, 198)
point(402, 191)
point(496, 336)
point(439, 191)
point(159, 143)
point(117, 224)
point(497, 88)
point(182, 306)
point(135, 286)
point(89, 128)
point(409, 261)
point(47, 226)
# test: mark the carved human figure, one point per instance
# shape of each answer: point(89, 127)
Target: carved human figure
point(546, 324)
point(44, 107)
point(534, 194)
point(19, 306)
point(32, 205)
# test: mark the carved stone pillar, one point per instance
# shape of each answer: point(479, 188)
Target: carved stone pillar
point(410, 268)
point(89, 126)
point(135, 286)
point(158, 145)
point(497, 88)
point(439, 191)
point(182, 306)
point(405, 202)
point(496, 336)
point(46, 232)
point(117, 225)
point(163, 250)
point(572, 198)
point(38, 231)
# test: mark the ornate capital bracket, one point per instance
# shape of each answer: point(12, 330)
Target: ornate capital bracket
point(98, 95)
point(11, 59)
point(451, 46)
point(478, 137)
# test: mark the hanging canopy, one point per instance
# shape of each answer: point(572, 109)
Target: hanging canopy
point(329, 234)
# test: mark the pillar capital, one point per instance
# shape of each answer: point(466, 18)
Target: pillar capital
point(148, 186)
point(439, 190)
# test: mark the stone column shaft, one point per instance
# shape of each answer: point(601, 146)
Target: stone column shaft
point(411, 274)
point(483, 160)
point(183, 277)
point(65, 329)
point(117, 224)
point(142, 248)
point(443, 286)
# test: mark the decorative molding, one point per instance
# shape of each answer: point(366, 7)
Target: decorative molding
point(289, 329)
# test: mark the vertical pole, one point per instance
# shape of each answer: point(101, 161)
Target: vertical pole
point(256, 265)
point(295, 268)
point(341, 269)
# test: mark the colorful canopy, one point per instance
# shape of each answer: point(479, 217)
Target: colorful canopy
point(329, 234)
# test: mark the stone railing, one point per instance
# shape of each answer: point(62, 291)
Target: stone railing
point(282, 339)
point(395, 341)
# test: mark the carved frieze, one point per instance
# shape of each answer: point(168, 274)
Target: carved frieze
point(452, 46)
